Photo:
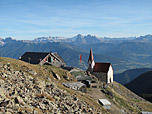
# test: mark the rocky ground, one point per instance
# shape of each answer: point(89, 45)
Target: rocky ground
point(21, 93)
point(34, 89)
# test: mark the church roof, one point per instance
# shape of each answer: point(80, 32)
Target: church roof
point(91, 58)
point(101, 67)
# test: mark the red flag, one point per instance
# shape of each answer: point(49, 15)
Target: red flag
point(80, 58)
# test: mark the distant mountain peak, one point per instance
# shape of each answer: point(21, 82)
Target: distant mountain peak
point(148, 35)
point(49, 39)
point(88, 39)
point(146, 38)
point(80, 36)
point(88, 35)
point(9, 39)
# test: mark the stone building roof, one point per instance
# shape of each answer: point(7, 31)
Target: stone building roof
point(58, 56)
point(74, 85)
point(33, 57)
point(36, 57)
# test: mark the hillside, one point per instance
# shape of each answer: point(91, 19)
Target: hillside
point(129, 75)
point(142, 85)
point(27, 88)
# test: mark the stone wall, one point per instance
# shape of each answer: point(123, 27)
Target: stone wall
point(101, 76)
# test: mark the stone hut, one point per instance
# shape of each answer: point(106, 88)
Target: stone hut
point(42, 58)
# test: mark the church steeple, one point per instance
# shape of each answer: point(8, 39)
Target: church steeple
point(91, 58)
point(91, 62)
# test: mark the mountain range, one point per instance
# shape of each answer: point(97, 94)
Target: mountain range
point(123, 53)
point(89, 39)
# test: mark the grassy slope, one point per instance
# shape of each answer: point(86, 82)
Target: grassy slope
point(142, 85)
point(123, 98)
point(129, 99)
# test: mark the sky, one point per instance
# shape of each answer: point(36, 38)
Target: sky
point(29, 19)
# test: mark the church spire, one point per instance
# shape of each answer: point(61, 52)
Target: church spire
point(91, 58)
point(91, 62)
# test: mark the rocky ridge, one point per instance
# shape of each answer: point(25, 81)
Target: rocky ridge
point(22, 93)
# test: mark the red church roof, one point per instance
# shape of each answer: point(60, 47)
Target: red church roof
point(101, 67)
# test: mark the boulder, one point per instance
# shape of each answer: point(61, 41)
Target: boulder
point(56, 76)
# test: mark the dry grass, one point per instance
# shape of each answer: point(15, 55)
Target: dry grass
point(124, 97)
point(146, 106)
point(64, 74)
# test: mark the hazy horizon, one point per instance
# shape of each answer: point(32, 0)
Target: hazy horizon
point(74, 36)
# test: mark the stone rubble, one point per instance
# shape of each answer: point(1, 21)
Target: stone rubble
point(20, 93)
